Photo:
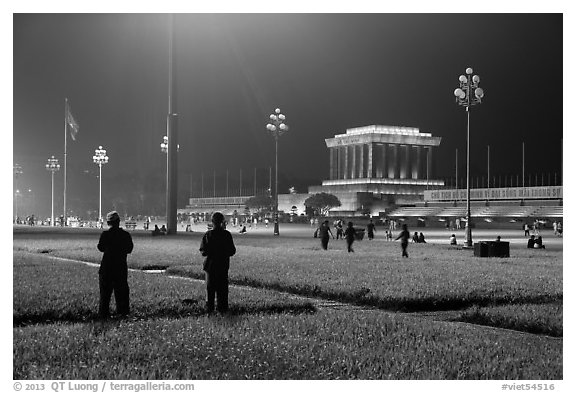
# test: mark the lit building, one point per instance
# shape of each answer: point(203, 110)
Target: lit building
point(377, 166)
point(372, 169)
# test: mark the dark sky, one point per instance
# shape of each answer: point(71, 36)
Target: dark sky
point(327, 72)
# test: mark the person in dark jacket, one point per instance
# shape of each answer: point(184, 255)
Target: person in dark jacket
point(349, 235)
point(217, 246)
point(116, 244)
point(404, 236)
point(324, 233)
point(370, 228)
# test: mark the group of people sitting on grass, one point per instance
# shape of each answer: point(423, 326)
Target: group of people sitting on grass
point(418, 238)
point(159, 231)
point(535, 242)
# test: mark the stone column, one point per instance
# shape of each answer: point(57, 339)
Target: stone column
point(346, 166)
point(352, 162)
point(384, 153)
point(392, 159)
point(377, 158)
point(416, 174)
point(341, 162)
point(428, 162)
point(361, 161)
point(431, 163)
point(332, 164)
point(370, 158)
point(404, 161)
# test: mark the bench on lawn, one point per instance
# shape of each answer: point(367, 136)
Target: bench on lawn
point(130, 225)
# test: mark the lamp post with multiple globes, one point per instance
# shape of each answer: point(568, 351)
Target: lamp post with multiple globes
point(100, 158)
point(277, 127)
point(53, 167)
point(468, 95)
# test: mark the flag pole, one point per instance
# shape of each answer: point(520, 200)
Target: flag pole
point(65, 151)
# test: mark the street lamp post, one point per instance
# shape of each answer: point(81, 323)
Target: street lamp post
point(17, 172)
point(52, 166)
point(100, 158)
point(467, 95)
point(277, 128)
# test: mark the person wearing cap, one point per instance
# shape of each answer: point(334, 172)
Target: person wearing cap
point(217, 246)
point(116, 244)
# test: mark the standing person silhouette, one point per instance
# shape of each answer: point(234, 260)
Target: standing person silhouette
point(116, 244)
point(325, 233)
point(404, 236)
point(349, 235)
point(217, 246)
point(371, 229)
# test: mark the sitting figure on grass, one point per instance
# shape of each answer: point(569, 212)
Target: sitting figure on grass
point(415, 237)
point(217, 246)
point(421, 238)
point(453, 241)
point(156, 231)
point(538, 243)
point(531, 242)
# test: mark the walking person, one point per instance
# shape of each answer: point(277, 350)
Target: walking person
point(217, 246)
point(325, 233)
point(526, 230)
point(404, 236)
point(350, 236)
point(116, 244)
point(370, 228)
point(555, 226)
point(339, 230)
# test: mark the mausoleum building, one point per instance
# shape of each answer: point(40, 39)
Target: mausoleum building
point(377, 166)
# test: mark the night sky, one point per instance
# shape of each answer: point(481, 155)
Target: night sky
point(327, 72)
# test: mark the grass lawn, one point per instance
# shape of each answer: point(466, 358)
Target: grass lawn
point(523, 292)
point(266, 336)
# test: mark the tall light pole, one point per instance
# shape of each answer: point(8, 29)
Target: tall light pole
point(52, 166)
point(164, 148)
point(100, 158)
point(467, 95)
point(172, 134)
point(277, 128)
point(17, 172)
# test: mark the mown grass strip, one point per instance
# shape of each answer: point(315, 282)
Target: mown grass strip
point(48, 291)
point(531, 318)
point(328, 345)
point(435, 278)
point(264, 340)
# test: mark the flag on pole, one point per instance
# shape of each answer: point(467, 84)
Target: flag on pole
point(72, 124)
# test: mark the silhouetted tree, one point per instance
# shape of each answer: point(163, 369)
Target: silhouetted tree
point(322, 202)
point(259, 203)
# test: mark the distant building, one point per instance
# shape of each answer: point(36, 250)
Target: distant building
point(375, 167)
point(372, 168)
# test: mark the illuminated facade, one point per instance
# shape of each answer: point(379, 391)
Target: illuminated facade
point(377, 166)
